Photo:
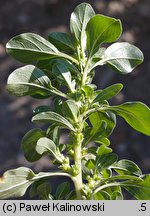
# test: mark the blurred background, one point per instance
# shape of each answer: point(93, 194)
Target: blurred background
point(44, 16)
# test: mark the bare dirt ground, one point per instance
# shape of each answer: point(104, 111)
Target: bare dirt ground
point(43, 16)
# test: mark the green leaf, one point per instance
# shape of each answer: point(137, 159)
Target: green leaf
point(103, 150)
point(30, 47)
point(33, 190)
point(62, 41)
point(108, 92)
point(29, 80)
point(90, 164)
point(42, 188)
point(101, 195)
point(53, 132)
point(126, 167)
point(14, 183)
point(108, 117)
point(58, 105)
point(122, 57)
point(44, 191)
point(102, 29)
point(140, 189)
point(73, 70)
point(70, 110)
point(42, 108)
point(112, 190)
point(105, 161)
point(62, 73)
point(136, 114)
point(29, 143)
point(106, 173)
point(45, 145)
point(96, 58)
point(116, 195)
point(95, 132)
point(47, 117)
point(88, 91)
point(71, 195)
point(62, 190)
point(88, 160)
point(47, 65)
point(78, 22)
point(103, 141)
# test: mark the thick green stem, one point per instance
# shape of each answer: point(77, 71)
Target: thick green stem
point(78, 168)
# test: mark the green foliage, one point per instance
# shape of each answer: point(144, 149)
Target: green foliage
point(123, 57)
point(62, 40)
point(29, 143)
point(136, 114)
point(108, 93)
point(69, 61)
point(46, 117)
point(102, 29)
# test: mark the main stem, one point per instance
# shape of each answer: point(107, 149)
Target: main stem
point(78, 182)
point(77, 161)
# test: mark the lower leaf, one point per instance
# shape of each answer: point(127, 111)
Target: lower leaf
point(15, 182)
point(139, 189)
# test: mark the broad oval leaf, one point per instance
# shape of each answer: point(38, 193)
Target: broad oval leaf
point(29, 80)
point(14, 183)
point(136, 114)
point(122, 57)
point(105, 161)
point(102, 29)
point(29, 143)
point(70, 109)
point(29, 47)
point(62, 41)
point(45, 145)
point(126, 167)
point(108, 92)
point(47, 117)
point(78, 22)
